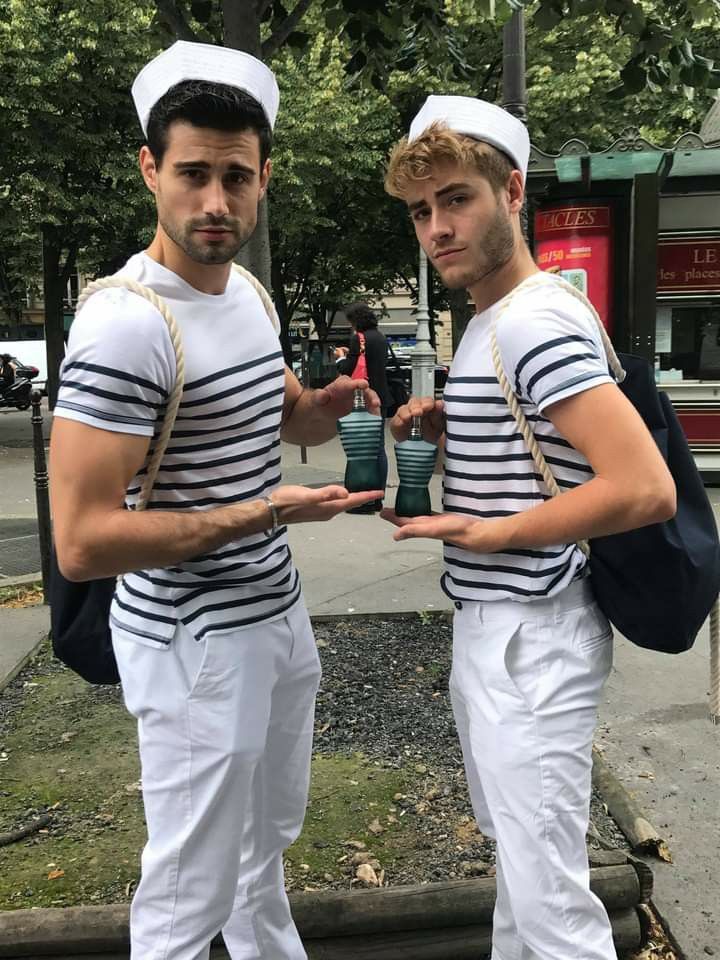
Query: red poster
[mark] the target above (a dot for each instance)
(688, 265)
(576, 240)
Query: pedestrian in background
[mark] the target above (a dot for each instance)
(367, 343)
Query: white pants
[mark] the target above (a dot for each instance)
(525, 684)
(225, 733)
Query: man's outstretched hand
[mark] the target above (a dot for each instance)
(297, 504)
(448, 527)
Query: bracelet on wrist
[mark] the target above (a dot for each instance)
(273, 514)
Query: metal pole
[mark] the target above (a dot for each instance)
(305, 380)
(41, 491)
(514, 90)
(423, 355)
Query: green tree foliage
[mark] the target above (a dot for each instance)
(352, 74)
(572, 87)
(69, 136)
(332, 230)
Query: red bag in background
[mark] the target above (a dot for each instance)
(361, 372)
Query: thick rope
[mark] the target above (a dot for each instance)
(715, 663)
(173, 403)
(514, 405)
(263, 294)
(171, 409)
(547, 475)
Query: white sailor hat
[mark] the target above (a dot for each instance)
(203, 61)
(479, 119)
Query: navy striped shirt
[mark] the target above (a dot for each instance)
(551, 350)
(224, 447)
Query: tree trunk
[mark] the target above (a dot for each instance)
(53, 295)
(461, 312)
(242, 32)
(281, 305)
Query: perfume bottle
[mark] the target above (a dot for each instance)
(416, 462)
(361, 434)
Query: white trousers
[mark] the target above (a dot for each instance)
(225, 731)
(525, 685)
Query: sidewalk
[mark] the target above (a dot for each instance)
(21, 631)
(654, 729)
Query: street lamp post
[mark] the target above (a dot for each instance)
(423, 355)
(514, 89)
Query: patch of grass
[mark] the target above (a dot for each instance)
(351, 803)
(24, 595)
(70, 749)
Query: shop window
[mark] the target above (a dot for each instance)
(688, 342)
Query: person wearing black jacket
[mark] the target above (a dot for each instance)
(363, 320)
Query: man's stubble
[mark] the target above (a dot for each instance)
(207, 253)
(497, 248)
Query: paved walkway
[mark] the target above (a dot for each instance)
(653, 721)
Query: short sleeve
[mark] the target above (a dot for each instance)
(119, 368)
(551, 348)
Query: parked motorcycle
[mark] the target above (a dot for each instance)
(17, 394)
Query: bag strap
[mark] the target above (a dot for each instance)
(262, 293)
(392, 354)
(173, 404)
(511, 397)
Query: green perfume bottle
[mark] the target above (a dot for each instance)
(361, 434)
(415, 462)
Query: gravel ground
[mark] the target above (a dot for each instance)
(385, 693)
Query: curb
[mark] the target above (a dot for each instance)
(426, 922)
(8, 678)
(420, 615)
(21, 581)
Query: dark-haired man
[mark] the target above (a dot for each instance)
(531, 648)
(213, 642)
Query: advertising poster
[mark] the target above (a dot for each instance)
(575, 240)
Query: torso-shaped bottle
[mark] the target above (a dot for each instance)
(415, 461)
(361, 434)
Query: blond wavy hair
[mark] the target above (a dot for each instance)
(438, 144)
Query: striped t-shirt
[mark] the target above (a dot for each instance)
(551, 349)
(224, 448)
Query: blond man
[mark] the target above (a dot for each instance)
(531, 649)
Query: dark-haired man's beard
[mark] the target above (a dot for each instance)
(490, 253)
(220, 248)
